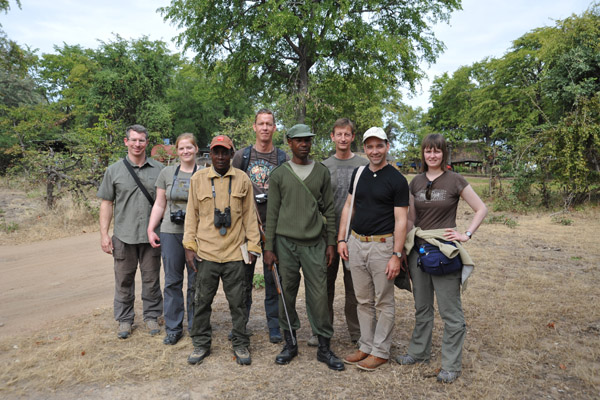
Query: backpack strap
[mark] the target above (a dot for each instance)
(358, 173)
(138, 182)
(246, 158)
(281, 156)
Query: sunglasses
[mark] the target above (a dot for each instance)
(428, 191)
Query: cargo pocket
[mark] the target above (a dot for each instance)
(118, 249)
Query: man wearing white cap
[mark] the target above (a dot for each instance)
(374, 248)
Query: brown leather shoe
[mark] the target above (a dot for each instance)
(371, 363)
(355, 357)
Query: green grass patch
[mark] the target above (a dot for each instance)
(258, 281)
(9, 227)
(503, 220)
(561, 220)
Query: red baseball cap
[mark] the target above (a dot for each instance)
(221, 140)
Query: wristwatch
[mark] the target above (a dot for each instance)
(397, 253)
(469, 234)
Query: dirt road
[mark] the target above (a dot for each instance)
(65, 277)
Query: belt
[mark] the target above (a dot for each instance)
(373, 238)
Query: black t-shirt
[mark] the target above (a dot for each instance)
(376, 196)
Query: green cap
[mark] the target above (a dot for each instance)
(299, 130)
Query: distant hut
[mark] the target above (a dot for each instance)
(469, 154)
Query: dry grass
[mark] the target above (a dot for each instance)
(22, 207)
(533, 332)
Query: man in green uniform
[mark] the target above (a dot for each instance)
(299, 197)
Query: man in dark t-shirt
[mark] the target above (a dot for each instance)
(257, 162)
(374, 248)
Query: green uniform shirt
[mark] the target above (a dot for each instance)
(292, 212)
(131, 208)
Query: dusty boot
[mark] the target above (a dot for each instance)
(325, 355)
(290, 350)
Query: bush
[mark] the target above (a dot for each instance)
(258, 281)
(502, 219)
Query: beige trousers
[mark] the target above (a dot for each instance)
(374, 294)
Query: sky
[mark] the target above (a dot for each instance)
(483, 28)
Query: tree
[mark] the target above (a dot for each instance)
(202, 98)
(282, 44)
(17, 86)
(536, 107)
(5, 5)
(132, 82)
(574, 147)
(122, 80)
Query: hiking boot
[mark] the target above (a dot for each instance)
(275, 335)
(290, 350)
(124, 330)
(371, 363)
(313, 341)
(448, 376)
(242, 356)
(325, 355)
(407, 359)
(172, 338)
(355, 357)
(153, 327)
(198, 355)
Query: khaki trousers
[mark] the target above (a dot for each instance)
(374, 293)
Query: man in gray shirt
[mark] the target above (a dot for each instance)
(129, 244)
(341, 165)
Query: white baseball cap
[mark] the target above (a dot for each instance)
(375, 132)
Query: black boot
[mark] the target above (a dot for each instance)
(290, 350)
(325, 355)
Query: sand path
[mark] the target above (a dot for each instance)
(54, 279)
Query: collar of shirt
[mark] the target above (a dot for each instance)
(214, 174)
(135, 165)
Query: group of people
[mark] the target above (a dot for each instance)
(302, 216)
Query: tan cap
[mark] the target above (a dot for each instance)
(375, 132)
(221, 140)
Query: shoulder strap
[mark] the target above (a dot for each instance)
(281, 156)
(246, 158)
(302, 182)
(175, 179)
(137, 181)
(358, 172)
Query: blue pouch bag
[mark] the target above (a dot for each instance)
(434, 262)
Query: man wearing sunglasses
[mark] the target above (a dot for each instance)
(373, 248)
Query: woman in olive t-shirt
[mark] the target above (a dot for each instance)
(172, 188)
